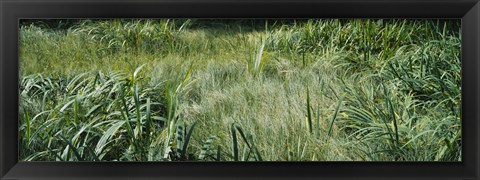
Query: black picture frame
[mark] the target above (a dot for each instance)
(13, 10)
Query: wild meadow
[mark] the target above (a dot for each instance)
(240, 90)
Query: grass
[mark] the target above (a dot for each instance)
(240, 90)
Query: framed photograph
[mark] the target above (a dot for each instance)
(226, 89)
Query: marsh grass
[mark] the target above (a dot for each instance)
(240, 90)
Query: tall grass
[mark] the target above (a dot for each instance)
(240, 90)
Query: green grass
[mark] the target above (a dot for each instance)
(240, 90)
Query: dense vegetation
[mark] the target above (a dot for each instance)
(240, 90)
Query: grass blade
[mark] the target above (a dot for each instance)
(309, 113)
(235, 143)
(187, 140)
(107, 135)
(330, 128)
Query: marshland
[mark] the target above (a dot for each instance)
(240, 90)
